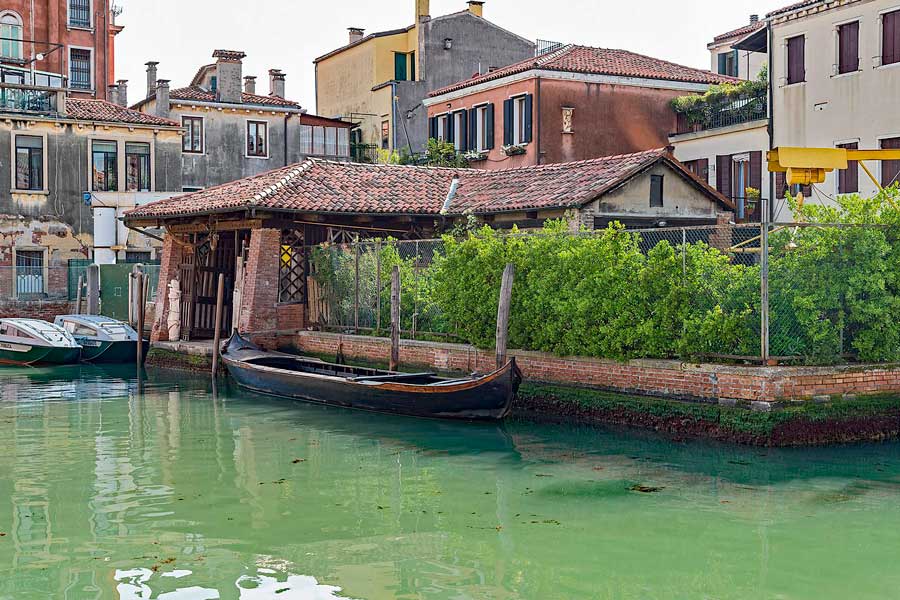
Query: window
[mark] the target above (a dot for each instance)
(80, 69)
(385, 135)
(796, 59)
(459, 130)
(517, 118)
(343, 142)
(890, 38)
(740, 177)
(191, 188)
(484, 128)
(306, 134)
(848, 47)
(11, 34)
(441, 128)
(404, 66)
(192, 142)
(29, 272)
(137, 257)
(318, 141)
(137, 167)
(330, 141)
(257, 139)
(294, 268)
(890, 169)
(80, 13)
(105, 166)
(29, 162)
(656, 191)
(848, 179)
(699, 167)
(728, 63)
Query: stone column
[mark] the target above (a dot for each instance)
(170, 267)
(260, 295)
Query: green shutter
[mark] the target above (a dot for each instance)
(399, 66)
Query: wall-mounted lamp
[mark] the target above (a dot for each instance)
(448, 43)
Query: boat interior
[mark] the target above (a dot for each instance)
(363, 375)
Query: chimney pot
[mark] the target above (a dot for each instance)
(123, 92)
(250, 84)
(276, 83)
(476, 7)
(356, 34)
(162, 98)
(754, 19)
(151, 78)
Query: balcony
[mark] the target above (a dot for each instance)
(704, 115)
(28, 99)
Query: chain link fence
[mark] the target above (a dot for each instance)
(818, 295)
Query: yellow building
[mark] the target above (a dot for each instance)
(379, 80)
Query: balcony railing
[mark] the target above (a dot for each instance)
(26, 99)
(20, 76)
(363, 153)
(713, 116)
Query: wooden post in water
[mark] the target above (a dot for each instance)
(217, 337)
(395, 318)
(503, 313)
(78, 295)
(139, 283)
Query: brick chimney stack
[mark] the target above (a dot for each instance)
(162, 98)
(476, 7)
(229, 75)
(123, 92)
(250, 84)
(276, 83)
(356, 34)
(151, 78)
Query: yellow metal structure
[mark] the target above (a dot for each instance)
(806, 166)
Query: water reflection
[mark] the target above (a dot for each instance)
(112, 492)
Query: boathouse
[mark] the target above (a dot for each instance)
(256, 231)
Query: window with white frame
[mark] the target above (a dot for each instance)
(29, 163)
(137, 167)
(519, 116)
(104, 166)
(81, 68)
(257, 139)
(11, 36)
(330, 141)
(459, 129)
(192, 142)
(481, 128)
(442, 127)
(318, 147)
(306, 132)
(343, 142)
(80, 13)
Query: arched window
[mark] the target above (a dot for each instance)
(11, 36)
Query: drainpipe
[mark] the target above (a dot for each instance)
(287, 116)
(394, 113)
(537, 120)
(769, 213)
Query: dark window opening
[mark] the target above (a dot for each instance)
(796, 56)
(80, 69)
(385, 134)
(890, 169)
(848, 179)
(192, 141)
(257, 139)
(137, 257)
(105, 166)
(29, 162)
(728, 63)
(80, 13)
(29, 272)
(656, 191)
(890, 38)
(400, 70)
(137, 167)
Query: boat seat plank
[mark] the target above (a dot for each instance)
(392, 377)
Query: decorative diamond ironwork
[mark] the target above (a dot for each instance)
(294, 268)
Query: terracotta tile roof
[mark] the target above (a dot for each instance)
(792, 7)
(321, 186)
(107, 112)
(198, 94)
(740, 31)
(597, 61)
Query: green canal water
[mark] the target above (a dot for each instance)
(174, 491)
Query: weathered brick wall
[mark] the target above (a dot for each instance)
(290, 316)
(651, 377)
(168, 270)
(35, 309)
(260, 294)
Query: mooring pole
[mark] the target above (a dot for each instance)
(139, 282)
(395, 318)
(506, 285)
(78, 295)
(217, 337)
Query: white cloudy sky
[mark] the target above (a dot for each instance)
(288, 34)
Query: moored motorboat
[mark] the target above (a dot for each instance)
(487, 397)
(102, 339)
(32, 342)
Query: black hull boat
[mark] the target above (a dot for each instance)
(482, 398)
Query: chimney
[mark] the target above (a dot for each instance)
(229, 71)
(356, 34)
(250, 84)
(112, 93)
(123, 92)
(162, 98)
(754, 19)
(476, 7)
(276, 83)
(151, 78)
(423, 11)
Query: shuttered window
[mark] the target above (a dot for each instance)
(400, 66)
(848, 179)
(890, 41)
(723, 174)
(796, 58)
(656, 191)
(848, 47)
(890, 169)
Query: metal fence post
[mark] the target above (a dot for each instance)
(684, 252)
(415, 319)
(764, 291)
(378, 285)
(356, 288)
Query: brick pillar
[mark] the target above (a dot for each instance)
(260, 295)
(172, 257)
(721, 238)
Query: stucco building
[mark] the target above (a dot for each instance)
(231, 131)
(267, 223)
(727, 57)
(59, 44)
(379, 80)
(572, 103)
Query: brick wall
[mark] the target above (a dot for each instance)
(260, 294)
(651, 377)
(169, 270)
(46, 310)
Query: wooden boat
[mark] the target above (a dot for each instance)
(33, 342)
(102, 339)
(486, 397)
